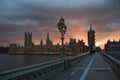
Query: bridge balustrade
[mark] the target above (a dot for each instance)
(77, 58)
(114, 64)
(41, 71)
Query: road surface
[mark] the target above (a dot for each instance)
(92, 67)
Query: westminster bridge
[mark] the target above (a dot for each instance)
(95, 66)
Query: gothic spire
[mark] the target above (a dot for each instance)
(41, 42)
(48, 37)
(90, 27)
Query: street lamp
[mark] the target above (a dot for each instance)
(62, 29)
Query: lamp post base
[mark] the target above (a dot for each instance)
(62, 52)
(62, 49)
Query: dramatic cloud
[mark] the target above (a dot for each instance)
(41, 17)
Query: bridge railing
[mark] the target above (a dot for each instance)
(78, 58)
(70, 61)
(41, 71)
(34, 72)
(114, 64)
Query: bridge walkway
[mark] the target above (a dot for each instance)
(92, 67)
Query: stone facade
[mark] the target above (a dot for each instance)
(112, 45)
(72, 48)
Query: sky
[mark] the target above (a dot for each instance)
(41, 17)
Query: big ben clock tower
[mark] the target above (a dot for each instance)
(91, 39)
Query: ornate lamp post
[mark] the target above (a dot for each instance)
(62, 29)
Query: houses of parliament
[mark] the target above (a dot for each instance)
(72, 48)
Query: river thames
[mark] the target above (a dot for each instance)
(8, 62)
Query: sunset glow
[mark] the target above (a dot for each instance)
(41, 17)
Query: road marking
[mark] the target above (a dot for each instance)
(87, 69)
(92, 68)
(72, 73)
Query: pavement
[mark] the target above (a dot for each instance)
(92, 67)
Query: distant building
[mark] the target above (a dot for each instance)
(77, 47)
(112, 45)
(72, 48)
(28, 39)
(48, 41)
(41, 42)
(4, 50)
(98, 49)
(91, 39)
